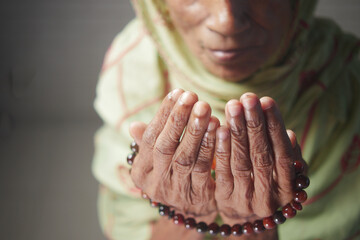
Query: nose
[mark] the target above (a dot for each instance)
(229, 17)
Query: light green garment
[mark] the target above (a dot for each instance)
(317, 86)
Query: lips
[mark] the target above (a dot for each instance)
(228, 55)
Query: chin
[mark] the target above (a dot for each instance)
(232, 74)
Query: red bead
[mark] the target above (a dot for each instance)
(214, 228)
(295, 205)
(236, 230)
(279, 217)
(134, 147)
(248, 228)
(269, 223)
(131, 158)
(258, 226)
(300, 196)
(153, 204)
(178, 219)
(288, 211)
(299, 167)
(302, 182)
(190, 223)
(225, 230)
(201, 227)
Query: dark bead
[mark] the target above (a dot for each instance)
(214, 228)
(248, 228)
(164, 210)
(201, 227)
(288, 211)
(279, 217)
(236, 230)
(178, 219)
(225, 230)
(300, 196)
(258, 226)
(171, 214)
(299, 167)
(190, 223)
(296, 205)
(131, 158)
(269, 223)
(302, 182)
(153, 204)
(134, 147)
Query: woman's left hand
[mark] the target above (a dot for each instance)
(254, 160)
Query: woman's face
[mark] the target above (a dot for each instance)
(231, 38)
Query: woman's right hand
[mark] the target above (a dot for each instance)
(176, 151)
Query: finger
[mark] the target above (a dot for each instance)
(260, 154)
(137, 130)
(143, 163)
(224, 178)
(240, 162)
(187, 152)
(201, 181)
(297, 150)
(158, 122)
(169, 138)
(292, 138)
(281, 146)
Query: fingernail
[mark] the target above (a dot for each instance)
(211, 126)
(234, 108)
(266, 103)
(223, 134)
(172, 93)
(200, 109)
(249, 102)
(186, 98)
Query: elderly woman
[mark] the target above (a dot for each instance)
(208, 89)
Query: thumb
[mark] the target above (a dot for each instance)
(137, 130)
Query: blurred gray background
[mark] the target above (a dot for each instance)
(50, 56)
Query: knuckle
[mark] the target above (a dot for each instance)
(254, 126)
(222, 154)
(241, 172)
(274, 126)
(163, 150)
(285, 163)
(166, 145)
(183, 164)
(202, 166)
(262, 159)
(237, 131)
(195, 131)
(179, 120)
(240, 150)
(207, 143)
(149, 137)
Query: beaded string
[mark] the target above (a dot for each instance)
(279, 217)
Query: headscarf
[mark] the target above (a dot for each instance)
(315, 83)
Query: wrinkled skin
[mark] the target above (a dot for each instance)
(253, 151)
(254, 158)
(232, 38)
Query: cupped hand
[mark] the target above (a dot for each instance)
(176, 151)
(254, 160)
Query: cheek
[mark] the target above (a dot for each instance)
(186, 15)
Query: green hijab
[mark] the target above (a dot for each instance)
(316, 84)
